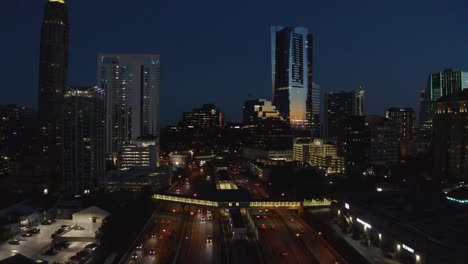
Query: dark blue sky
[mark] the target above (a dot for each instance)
(219, 51)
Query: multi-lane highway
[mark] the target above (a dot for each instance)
(201, 237)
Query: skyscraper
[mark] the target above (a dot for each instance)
(84, 131)
(292, 86)
(450, 137)
(53, 65)
(132, 86)
(405, 122)
(450, 81)
(338, 107)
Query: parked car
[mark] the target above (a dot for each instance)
(92, 246)
(51, 252)
(76, 258)
(83, 253)
(14, 242)
(35, 230)
(62, 245)
(77, 227)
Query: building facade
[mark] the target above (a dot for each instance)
(316, 153)
(450, 137)
(141, 153)
(84, 142)
(447, 82)
(207, 117)
(338, 107)
(132, 85)
(371, 140)
(53, 66)
(259, 111)
(292, 86)
(405, 122)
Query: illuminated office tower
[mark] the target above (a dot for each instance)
(132, 86)
(292, 86)
(53, 66)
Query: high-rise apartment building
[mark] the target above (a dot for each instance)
(450, 137)
(53, 65)
(84, 142)
(132, 86)
(405, 123)
(292, 86)
(338, 107)
(450, 81)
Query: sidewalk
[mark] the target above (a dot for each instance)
(371, 253)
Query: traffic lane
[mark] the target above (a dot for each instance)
(196, 249)
(310, 237)
(272, 243)
(295, 246)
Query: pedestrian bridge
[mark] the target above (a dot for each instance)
(244, 204)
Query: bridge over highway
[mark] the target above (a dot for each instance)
(244, 204)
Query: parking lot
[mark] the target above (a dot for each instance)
(65, 254)
(32, 247)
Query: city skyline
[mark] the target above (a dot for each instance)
(339, 45)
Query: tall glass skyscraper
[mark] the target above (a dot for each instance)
(132, 85)
(292, 86)
(53, 66)
(448, 82)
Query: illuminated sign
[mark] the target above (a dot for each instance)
(364, 223)
(346, 205)
(408, 248)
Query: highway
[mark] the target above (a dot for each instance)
(161, 237)
(195, 247)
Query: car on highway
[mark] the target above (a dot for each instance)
(210, 218)
(301, 230)
(209, 239)
(284, 253)
(273, 228)
(291, 219)
(203, 219)
(14, 242)
(152, 252)
(135, 256)
(334, 261)
(139, 247)
(153, 235)
(263, 226)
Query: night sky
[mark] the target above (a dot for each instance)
(218, 51)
